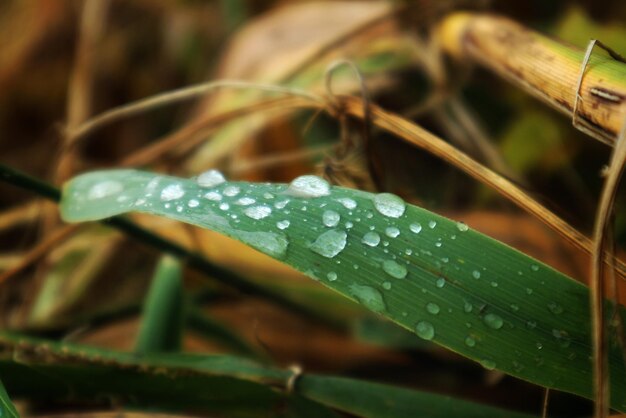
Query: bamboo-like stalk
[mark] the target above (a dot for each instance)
(544, 67)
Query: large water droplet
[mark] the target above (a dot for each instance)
(371, 238)
(271, 243)
(389, 205)
(476, 274)
(245, 201)
(330, 218)
(210, 178)
(432, 224)
(392, 231)
(394, 269)
(193, 203)
(104, 189)
(214, 196)
(347, 203)
(415, 228)
(172, 192)
(493, 321)
(284, 224)
(425, 330)
(232, 191)
(440, 282)
(461, 226)
(432, 308)
(308, 186)
(258, 212)
(330, 243)
(332, 276)
(368, 297)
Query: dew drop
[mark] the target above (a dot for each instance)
(281, 204)
(258, 212)
(332, 276)
(104, 189)
(425, 330)
(193, 203)
(231, 191)
(224, 206)
(467, 307)
(493, 321)
(432, 224)
(539, 346)
(330, 243)
(415, 228)
(349, 225)
(432, 308)
(461, 226)
(392, 231)
(555, 308)
(284, 224)
(214, 196)
(210, 178)
(271, 243)
(534, 267)
(476, 274)
(470, 341)
(529, 291)
(368, 297)
(245, 201)
(172, 192)
(394, 269)
(308, 186)
(387, 285)
(531, 324)
(441, 282)
(371, 238)
(514, 307)
(268, 195)
(389, 205)
(347, 203)
(330, 218)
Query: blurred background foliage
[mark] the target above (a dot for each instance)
(140, 48)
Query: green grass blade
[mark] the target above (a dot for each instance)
(376, 400)
(225, 384)
(7, 409)
(161, 327)
(449, 284)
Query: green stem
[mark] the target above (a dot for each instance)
(192, 259)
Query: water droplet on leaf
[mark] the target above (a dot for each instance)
(258, 212)
(308, 186)
(493, 321)
(330, 218)
(330, 243)
(394, 269)
(368, 297)
(172, 192)
(210, 178)
(389, 205)
(425, 330)
(371, 238)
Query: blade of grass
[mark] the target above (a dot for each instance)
(376, 400)
(445, 282)
(161, 328)
(231, 385)
(6, 406)
(193, 259)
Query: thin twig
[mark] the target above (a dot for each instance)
(175, 96)
(38, 251)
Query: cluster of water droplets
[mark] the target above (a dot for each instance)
(337, 216)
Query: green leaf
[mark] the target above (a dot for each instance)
(232, 386)
(7, 409)
(376, 400)
(161, 327)
(436, 277)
